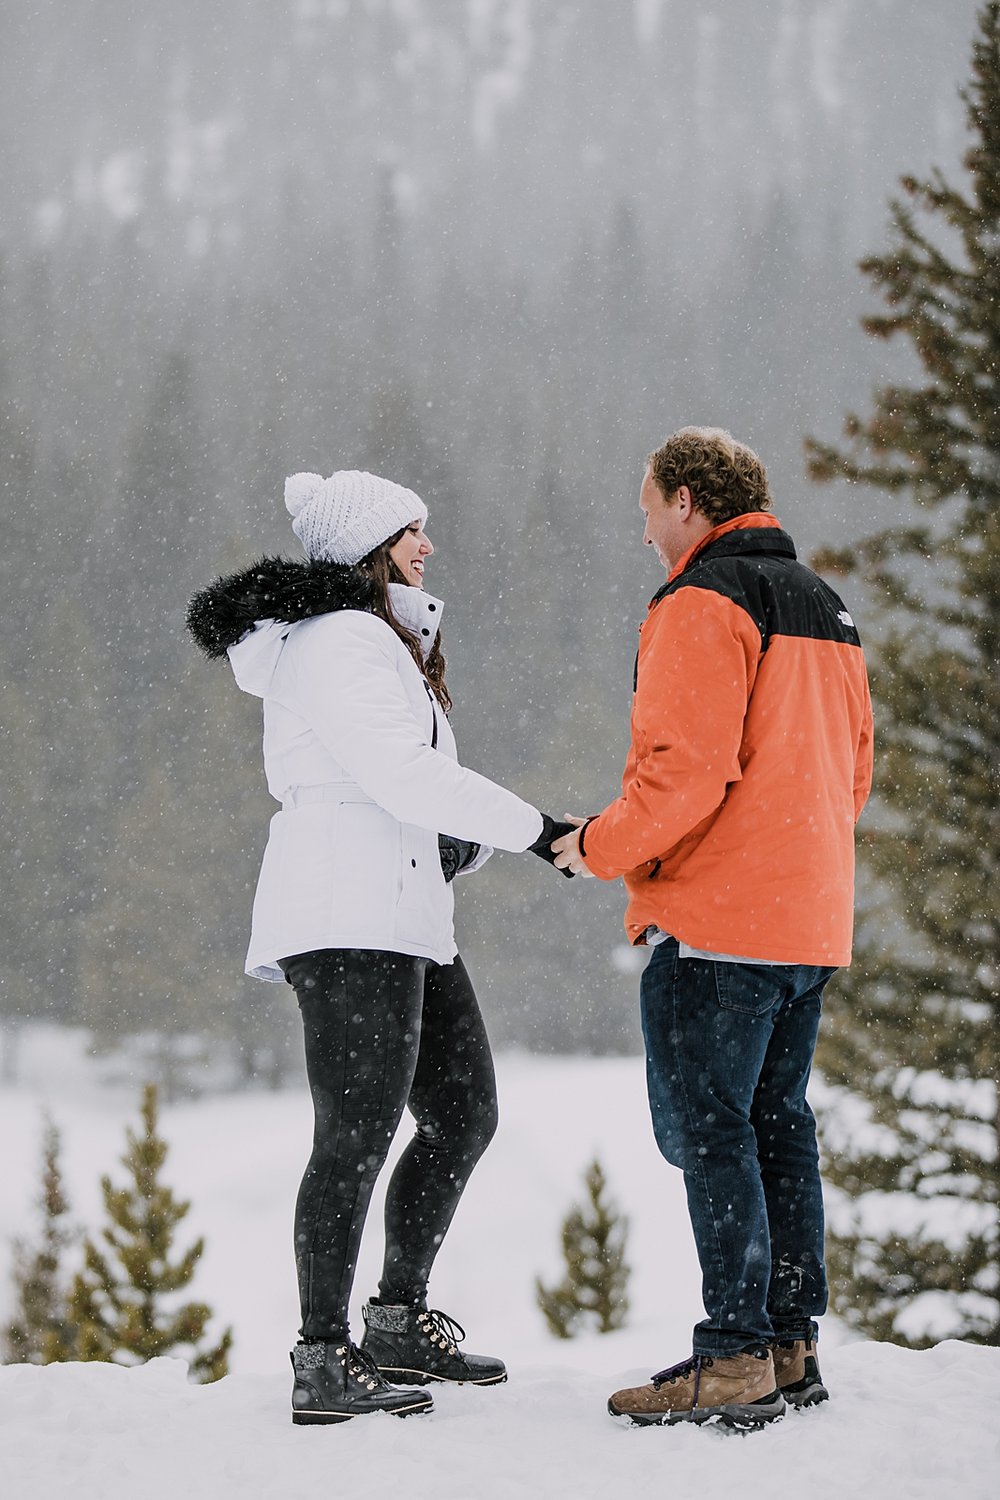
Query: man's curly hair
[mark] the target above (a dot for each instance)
(726, 478)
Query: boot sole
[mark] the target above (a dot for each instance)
(812, 1396)
(397, 1376)
(737, 1417)
(328, 1418)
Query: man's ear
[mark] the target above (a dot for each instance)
(685, 502)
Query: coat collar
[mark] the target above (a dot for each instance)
(290, 590)
(418, 611)
(756, 531)
(754, 520)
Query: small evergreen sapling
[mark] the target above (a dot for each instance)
(121, 1303)
(38, 1334)
(593, 1292)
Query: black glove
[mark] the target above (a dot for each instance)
(455, 854)
(551, 830)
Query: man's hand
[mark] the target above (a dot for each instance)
(567, 850)
(546, 841)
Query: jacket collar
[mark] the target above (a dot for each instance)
(753, 521)
(290, 590)
(417, 611)
(756, 531)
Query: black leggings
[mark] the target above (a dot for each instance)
(384, 1031)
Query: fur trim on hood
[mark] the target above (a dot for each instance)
(274, 588)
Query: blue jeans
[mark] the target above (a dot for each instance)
(728, 1053)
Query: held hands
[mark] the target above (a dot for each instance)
(543, 844)
(558, 844)
(567, 850)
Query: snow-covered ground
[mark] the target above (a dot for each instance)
(914, 1424)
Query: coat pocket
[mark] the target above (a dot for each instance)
(425, 903)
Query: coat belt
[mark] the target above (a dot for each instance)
(327, 791)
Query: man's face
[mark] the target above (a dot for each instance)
(665, 529)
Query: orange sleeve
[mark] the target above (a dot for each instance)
(698, 656)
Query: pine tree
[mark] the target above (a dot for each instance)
(38, 1334)
(915, 1030)
(593, 1291)
(121, 1305)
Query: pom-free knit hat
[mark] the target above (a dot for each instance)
(345, 517)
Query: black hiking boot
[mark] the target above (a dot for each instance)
(334, 1382)
(417, 1346)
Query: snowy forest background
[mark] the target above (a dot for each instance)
(496, 249)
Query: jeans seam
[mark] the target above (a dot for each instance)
(690, 1119)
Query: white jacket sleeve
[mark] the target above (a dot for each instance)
(348, 686)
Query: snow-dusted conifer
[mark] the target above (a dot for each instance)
(593, 1291)
(122, 1304)
(38, 1333)
(914, 1044)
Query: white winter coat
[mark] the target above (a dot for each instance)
(352, 857)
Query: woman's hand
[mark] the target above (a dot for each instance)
(544, 845)
(566, 849)
(455, 854)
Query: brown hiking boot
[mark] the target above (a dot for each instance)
(736, 1391)
(797, 1372)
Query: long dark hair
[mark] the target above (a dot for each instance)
(382, 570)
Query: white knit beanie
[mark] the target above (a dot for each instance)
(345, 517)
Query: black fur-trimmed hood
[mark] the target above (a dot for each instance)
(274, 588)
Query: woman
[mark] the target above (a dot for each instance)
(354, 910)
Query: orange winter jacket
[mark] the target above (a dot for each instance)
(750, 759)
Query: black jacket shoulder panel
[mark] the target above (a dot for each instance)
(273, 588)
(762, 575)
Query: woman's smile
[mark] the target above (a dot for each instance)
(409, 552)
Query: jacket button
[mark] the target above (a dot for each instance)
(425, 632)
(432, 607)
(413, 863)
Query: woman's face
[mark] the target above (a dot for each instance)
(409, 552)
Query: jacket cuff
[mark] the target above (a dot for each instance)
(485, 851)
(592, 858)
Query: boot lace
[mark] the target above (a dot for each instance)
(443, 1332)
(687, 1367)
(359, 1366)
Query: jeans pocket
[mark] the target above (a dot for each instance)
(751, 989)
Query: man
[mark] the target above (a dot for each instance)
(750, 760)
